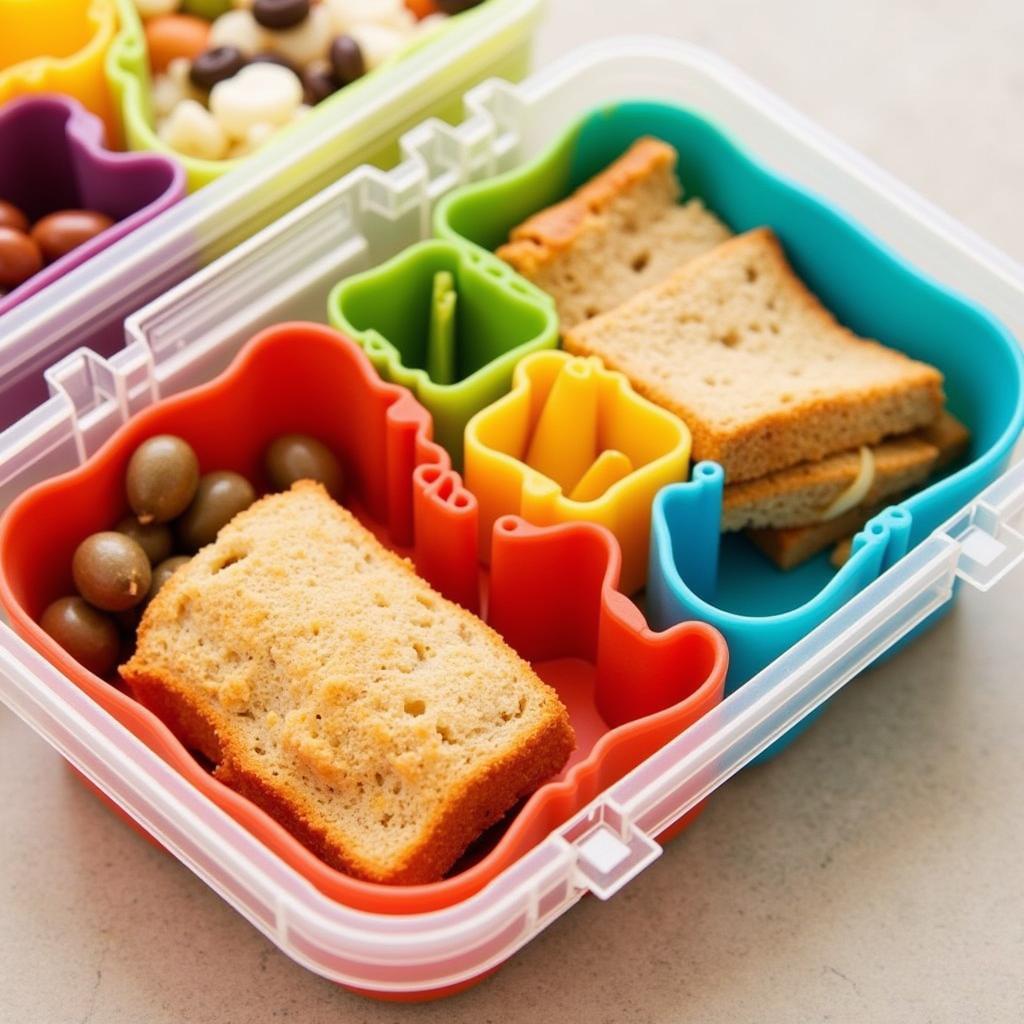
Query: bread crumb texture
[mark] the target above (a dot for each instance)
(763, 375)
(620, 232)
(381, 723)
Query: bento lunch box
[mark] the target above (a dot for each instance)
(87, 307)
(186, 338)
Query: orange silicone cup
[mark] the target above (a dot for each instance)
(552, 589)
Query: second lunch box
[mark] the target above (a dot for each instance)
(87, 306)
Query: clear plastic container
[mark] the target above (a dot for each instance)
(190, 334)
(88, 306)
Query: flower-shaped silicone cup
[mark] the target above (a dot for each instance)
(573, 442)
(60, 46)
(553, 591)
(498, 319)
(53, 158)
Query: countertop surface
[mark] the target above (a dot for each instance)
(872, 873)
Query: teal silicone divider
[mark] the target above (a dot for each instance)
(760, 609)
(498, 319)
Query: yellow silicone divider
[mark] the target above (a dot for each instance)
(570, 425)
(60, 46)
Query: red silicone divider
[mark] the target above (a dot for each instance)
(552, 590)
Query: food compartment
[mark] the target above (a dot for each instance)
(150, 70)
(552, 591)
(60, 46)
(54, 159)
(447, 322)
(694, 572)
(728, 582)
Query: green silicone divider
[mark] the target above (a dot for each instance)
(498, 319)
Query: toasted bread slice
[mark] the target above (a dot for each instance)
(762, 374)
(799, 496)
(791, 547)
(385, 726)
(619, 233)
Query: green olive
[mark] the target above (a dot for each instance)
(89, 636)
(219, 498)
(111, 571)
(301, 457)
(163, 572)
(161, 479)
(155, 539)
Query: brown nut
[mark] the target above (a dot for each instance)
(155, 539)
(58, 233)
(219, 498)
(111, 571)
(162, 477)
(20, 258)
(301, 457)
(89, 636)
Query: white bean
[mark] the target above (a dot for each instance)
(257, 135)
(430, 23)
(258, 93)
(349, 13)
(239, 29)
(378, 42)
(192, 130)
(167, 94)
(306, 42)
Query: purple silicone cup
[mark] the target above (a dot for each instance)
(52, 158)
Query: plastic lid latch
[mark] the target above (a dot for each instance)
(610, 849)
(989, 547)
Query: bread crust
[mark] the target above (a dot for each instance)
(620, 232)
(791, 546)
(466, 813)
(555, 229)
